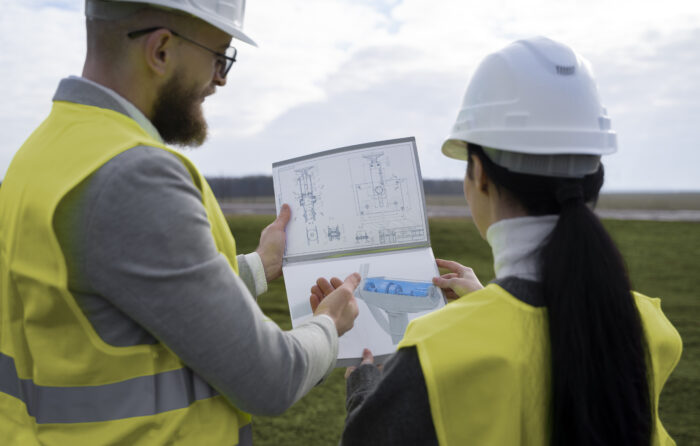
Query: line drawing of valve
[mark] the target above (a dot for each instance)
(397, 297)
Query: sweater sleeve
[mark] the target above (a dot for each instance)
(389, 408)
(251, 271)
(149, 251)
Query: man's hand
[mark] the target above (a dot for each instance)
(459, 281)
(271, 246)
(336, 299)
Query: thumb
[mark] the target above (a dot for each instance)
(284, 216)
(352, 281)
(367, 357)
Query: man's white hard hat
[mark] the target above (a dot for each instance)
(535, 108)
(226, 15)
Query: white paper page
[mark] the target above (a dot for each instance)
(411, 265)
(356, 198)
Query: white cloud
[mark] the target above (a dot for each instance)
(340, 72)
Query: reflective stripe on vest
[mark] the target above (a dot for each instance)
(158, 393)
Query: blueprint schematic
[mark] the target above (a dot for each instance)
(360, 209)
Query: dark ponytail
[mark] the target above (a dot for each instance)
(600, 383)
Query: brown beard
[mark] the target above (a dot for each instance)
(177, 114)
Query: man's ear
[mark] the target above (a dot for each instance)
(481, 180)
(158, 51)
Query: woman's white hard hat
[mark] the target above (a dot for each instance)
(226, 15)
(535, 108)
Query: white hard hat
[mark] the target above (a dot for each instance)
(226, 15)
(534, 107)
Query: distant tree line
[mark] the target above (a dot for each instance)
(443, 187)
(261, 186)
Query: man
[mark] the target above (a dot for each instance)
(122, 318)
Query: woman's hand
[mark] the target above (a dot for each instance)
(367, 358)
(459, 281)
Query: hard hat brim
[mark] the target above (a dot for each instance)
(539, 141)
(232, 28)
(455, 148)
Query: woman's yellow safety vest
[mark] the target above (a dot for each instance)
(485, 358)
(59, 382)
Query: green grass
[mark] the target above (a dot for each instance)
(662, 258)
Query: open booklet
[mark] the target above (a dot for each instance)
(360, 209)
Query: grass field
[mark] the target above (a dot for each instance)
(618, 201)
(663, 260)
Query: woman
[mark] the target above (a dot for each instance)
(557, 349)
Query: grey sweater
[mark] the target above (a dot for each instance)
(144, 268)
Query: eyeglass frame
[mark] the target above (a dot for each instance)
(225, 61)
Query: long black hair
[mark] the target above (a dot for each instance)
(600, 383)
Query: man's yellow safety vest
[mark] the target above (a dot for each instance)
(485, 358)
(59, 382)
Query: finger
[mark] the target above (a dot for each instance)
(466, 272)
(448, 283)
(367, 357)
(449, 264)
(449, 275)
(314, 301)
(352, 281)
(336, 282)
(284, 216)
(441, 282)
(349, 371)
(325, 286)
(317, 291)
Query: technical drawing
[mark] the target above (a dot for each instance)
(308, 199)
(362, 237)
(311, 234)
(360, 198)
(333, 233)
(306, 196)
(396, 297)
(377, 194)
(401, 235)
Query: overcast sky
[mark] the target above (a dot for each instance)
(332, 73)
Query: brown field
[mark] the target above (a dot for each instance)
(617, 201)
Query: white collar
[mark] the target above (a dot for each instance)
(515, 242)
(131, 110)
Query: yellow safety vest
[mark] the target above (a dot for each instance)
(485, 358)
(60, 384)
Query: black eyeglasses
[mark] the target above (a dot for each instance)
(224, 62)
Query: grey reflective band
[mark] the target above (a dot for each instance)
(145, 395)
(563, 165)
